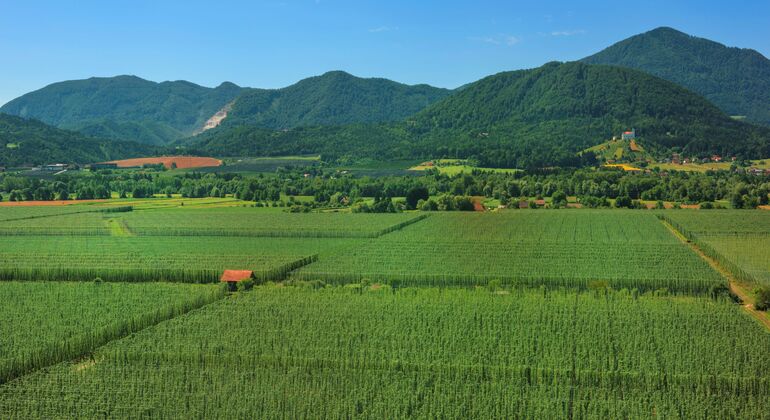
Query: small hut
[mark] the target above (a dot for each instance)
(233, 277)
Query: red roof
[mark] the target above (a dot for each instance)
(236, 275)
(627, 132)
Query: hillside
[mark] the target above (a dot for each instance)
(125, 107)
(736, 80)
(24, 141)
(334, 98)
(528, 118)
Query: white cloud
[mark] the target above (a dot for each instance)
(501, 39)
(383, 29)
(568, 33)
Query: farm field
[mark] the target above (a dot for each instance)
(248, 222)
(65, 320)
(740, 239)
(562, 248)
(154, 258)
(521, 313)
(180, 162)
(442, 353)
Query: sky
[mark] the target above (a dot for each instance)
(271, 44)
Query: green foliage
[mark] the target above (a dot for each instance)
(553, 248)
(125, 107)
(762, 299)
(736, 80)
(79, 317)
(38, 143)
(334, 98)
(420, 353)
(528, 118)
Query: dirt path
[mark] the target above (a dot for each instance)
(118, 227)
(741, 290)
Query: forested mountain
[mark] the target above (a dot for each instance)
(25, 141)
(736, 80)
(539, 117)
(334, 98)
(125, 107)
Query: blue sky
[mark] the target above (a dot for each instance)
(275, 43)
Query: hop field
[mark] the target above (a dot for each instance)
(739, 240)
(441, 353)
(260, 223)
(136, 258)
(562, 249)
(45, 323)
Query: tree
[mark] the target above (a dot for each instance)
(464, 203)
(559, 199)
(762, 302)
(414, 195)
(623, 201)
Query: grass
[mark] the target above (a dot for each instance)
(457, 166)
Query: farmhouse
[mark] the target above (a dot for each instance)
(233, 277)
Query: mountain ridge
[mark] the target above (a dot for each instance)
(525, 118)
(735, 79)
(28, 141)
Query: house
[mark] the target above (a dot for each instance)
(676, 159)
(629, 135)
(716, 158)
(233, 277)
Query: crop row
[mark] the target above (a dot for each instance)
(238, 222)
(439, 353)
(46, 323)
(584, 226)
(421, 263)
(722, 222)
(746, 256)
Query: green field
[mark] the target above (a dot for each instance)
(511, 314)
(45, 323)
(740, 239)
(569, 248)
(257, 223)
(342, 353)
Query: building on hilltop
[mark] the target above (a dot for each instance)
(629, 135)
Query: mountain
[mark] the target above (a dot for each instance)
(125, 107)
(736, 80)
(334, 98)
(25, 141)
(527, 118)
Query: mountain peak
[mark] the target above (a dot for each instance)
(736, 80)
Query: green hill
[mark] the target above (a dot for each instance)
(528, 118)
(125, 107)
(736, 80)
(334, 98)
(24, 141)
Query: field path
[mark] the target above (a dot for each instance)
(118, 227)
(741, 290)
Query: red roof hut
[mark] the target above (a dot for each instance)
(232, 277)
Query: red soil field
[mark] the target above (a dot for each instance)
(45, 203)
(182, 162)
